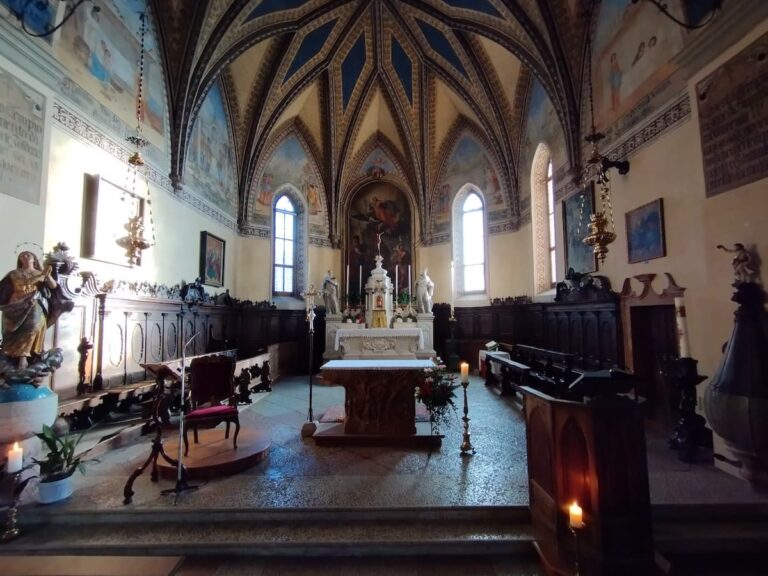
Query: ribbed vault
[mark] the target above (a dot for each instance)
(354, 76)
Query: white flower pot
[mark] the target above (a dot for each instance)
(50, 492)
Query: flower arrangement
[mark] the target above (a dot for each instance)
(437, 392)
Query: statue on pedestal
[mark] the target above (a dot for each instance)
(425, 288)
(331, 293)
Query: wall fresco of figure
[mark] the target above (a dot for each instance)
(101, 52)
(210, 162)
(379, 208)
(632, 49)
(290, 164)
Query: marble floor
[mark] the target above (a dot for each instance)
(299, 474)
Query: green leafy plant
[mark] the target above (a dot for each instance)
(437, 392)
(60, 462)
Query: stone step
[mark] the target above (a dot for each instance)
(249, 533)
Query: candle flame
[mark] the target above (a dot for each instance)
(15, 446)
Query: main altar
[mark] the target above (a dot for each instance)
(390, 331)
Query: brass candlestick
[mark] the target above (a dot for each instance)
(575, 531)
(11, 530)
(466, 445)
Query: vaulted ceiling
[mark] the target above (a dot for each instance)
(400, 74)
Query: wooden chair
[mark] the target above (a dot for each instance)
(211, 382)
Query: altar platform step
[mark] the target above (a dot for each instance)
(279, 533)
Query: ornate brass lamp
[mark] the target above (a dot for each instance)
(601, 228)
(135, 242)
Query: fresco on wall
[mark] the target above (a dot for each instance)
(379, 208)
(631, 55)
(377, 165)
(543, 124)
(21, 139)
(210, 164)
(38, 16)
(290, 164)
(101, 51)
(467, 164)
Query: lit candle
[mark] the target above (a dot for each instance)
(575, 516)
(360, 284)
(682, 328)
(346, 292)
(464, 372)
(14, 459)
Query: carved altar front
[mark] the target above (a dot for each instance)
(379, 394)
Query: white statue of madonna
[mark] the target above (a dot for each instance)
(425, 288)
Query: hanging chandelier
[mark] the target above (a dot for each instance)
(134, 242)
(602, 231)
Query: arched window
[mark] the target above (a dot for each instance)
(469, 247)
(285, 247)
(551, 225)
(543, 221)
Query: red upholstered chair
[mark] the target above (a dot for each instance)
(211, 381)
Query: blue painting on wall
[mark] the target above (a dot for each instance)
(645, 232)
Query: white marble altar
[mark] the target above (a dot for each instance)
(382, 336)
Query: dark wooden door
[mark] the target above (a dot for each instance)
(653, 342)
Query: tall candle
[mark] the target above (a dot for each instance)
(682, 327)
(452, 288)
(410, 294)
(575, 516)
(14, 459)
(360, 284)
(464, 372)
(396, 267)
(346, 292)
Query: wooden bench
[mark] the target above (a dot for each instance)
(512, 374)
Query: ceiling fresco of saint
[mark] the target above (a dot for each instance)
(407, 78)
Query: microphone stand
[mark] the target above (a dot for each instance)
(181, 481)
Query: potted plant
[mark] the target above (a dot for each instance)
(57, 467)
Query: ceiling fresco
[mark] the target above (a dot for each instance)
(377, 88)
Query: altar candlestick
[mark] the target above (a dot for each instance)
(346, 292)
(14, 458)
(575, 516)
(464, 372)
(360, 284)
(682, 328)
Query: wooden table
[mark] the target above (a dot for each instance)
(379, 394)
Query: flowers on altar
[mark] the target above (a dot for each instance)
(437, 392)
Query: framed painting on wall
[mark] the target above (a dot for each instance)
(645, 232)
(107, 208)
(212, 259)
(576, 211)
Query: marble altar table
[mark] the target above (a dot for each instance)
(379, 394)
